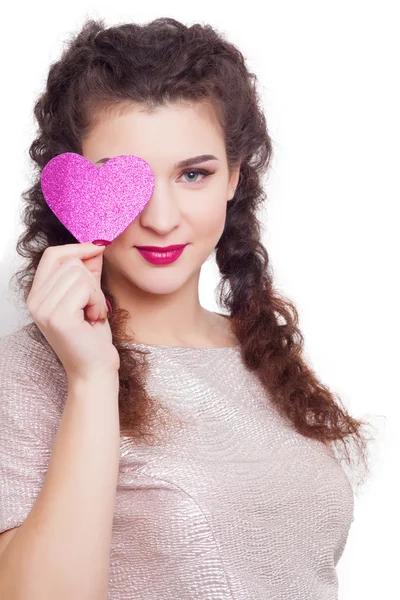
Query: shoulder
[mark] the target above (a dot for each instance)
(27, 361)
(28, 338)
(28, 343)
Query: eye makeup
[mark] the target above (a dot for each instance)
(204, 172)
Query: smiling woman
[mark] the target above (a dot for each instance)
(219, 477)
(183, 210)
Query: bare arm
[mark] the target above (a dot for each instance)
(62, 549)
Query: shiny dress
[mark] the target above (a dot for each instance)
(234, 505)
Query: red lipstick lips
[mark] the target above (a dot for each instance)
(161, 255)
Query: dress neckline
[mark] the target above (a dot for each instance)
(188, 348)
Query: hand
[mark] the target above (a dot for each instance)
(65, 297)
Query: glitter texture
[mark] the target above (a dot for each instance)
(97, 203)
(234, 505)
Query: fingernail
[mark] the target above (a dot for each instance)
(109, 307)
(101, 242)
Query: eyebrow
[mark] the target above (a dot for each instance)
(183, 163)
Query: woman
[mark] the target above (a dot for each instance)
(170, 451)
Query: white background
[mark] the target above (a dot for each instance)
(329, 77)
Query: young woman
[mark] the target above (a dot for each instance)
(167, 451)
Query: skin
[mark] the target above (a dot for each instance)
(163, 301)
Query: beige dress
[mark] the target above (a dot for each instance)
(235, 506)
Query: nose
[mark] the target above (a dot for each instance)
(162, 212)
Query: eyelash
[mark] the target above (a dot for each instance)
(204, 172)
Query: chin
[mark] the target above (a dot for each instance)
(157, 283)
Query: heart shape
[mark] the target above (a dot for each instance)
(97, 203)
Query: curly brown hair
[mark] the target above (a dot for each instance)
(163, 61)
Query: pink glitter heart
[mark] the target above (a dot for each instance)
(97, 203)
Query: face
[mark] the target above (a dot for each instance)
(187, 206)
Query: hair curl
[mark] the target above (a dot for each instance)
(153, 64)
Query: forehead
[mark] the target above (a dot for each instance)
(174, 131)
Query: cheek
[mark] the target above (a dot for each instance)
(207, 216)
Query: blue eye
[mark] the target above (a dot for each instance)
(204, 172)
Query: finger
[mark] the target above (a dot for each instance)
(63, 293)
(53, 257)
(94, 265)
(52, 290)
(65, 313)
